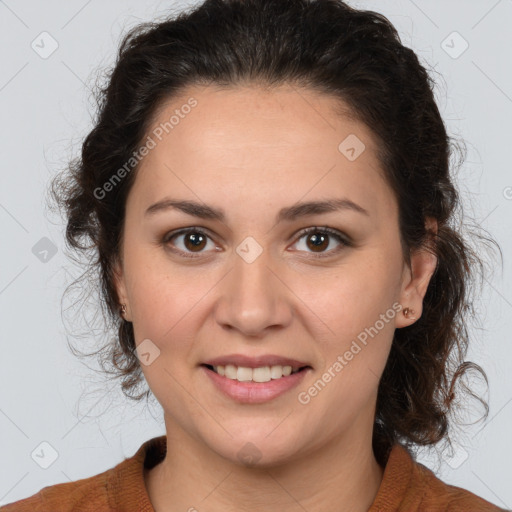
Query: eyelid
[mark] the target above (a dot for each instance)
(323, 229)
(191, 229)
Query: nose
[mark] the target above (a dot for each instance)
(253, 297)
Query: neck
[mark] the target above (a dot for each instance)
(342, 475)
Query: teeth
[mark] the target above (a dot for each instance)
(261, 374)
(243, 374)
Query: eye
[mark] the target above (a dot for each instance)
(194, 241)
(319, 239)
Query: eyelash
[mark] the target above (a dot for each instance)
(344, 241)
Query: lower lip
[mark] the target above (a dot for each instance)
(255, 392)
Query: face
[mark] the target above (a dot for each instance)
(251, 279)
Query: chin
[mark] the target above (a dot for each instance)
(257, 449)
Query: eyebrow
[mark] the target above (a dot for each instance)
(289, 213)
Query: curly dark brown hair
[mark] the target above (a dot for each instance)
(329, 47)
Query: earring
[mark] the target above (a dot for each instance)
(123, 309)
(406, 312)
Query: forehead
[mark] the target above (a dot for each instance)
(252, 117)
(284, 142)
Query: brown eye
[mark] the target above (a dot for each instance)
(318, 240)
(194, 240)
(187, 241)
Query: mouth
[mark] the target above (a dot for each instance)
(259, 374)
(255, 380)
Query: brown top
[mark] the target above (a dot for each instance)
(407, 486)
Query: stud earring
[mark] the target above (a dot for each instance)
(406, 312)
(123, 309)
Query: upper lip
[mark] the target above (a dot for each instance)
(255, 362)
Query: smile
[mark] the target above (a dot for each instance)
(260, 374)
(254, 385)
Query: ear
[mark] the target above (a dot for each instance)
(415, 280)
(120, 286)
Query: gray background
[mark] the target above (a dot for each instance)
(47, 395)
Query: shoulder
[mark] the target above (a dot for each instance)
(119, 488)
(86, 495)
(409, 486)
(438, 495)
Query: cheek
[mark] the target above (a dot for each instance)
(351, 297)
(156, 296)
(160, 305)
(165, 312)
(354, 358)
(354, 309)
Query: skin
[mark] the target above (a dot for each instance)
(252, 151)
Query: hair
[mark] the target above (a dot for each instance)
(352, 55)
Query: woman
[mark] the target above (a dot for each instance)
(268, 191)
